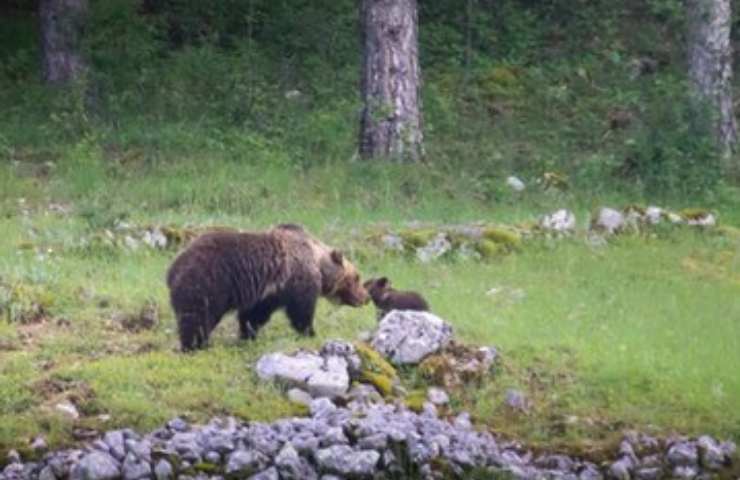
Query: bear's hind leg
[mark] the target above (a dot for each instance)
(251, 320)
(300, 311)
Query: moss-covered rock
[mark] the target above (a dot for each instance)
(417, 238)
(488, 249)
(415, 400)
(506, 237)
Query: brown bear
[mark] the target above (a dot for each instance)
(386, 298)
(257, 273)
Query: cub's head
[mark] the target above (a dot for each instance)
(378, 288)
(341, 282)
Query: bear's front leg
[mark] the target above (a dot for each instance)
(300, 311)
(251, 320)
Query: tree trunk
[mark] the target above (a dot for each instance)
(62, 22)
(710, 68)
(391, 124)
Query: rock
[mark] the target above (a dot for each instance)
(437, 396)
(729, 449)
(301, 397)
(38, 444)
(68, 409)
(115, 442)
(269, 474)
(163, 470)
(406, 337)
(620, 470)
(608, 221)
(345, 350)
(436, 247)
(650, 473)
(711, 454)
(135, 469)
(96, 466)
(291, 466)
(393, 242)
(515, 184)
(707, 219)
(213, 457)
(561, 221)
(47, 473)
(246, 462)
(683, 454)
(178, 424)
(317, 375)
(653, 215)
(14, 457)
(154, 238)
(333, 436)
(684, 472)
(342, 460)
(516, 400)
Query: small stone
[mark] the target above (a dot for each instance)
(246, 462)
(291, 466)
(68, 409)
(163, 470)
(213, 457)
(342, 460)
(433, 250)
(178, 424)
(39, 444)
(590, 472)
(301, 397)
(47, 473)
(712, 456)
(620, 470)
(334, 436)
(608, 220)
(269, 474)
(116, 444)
(14, 457)
(515, 184)
(681, 472)
(728, 448)
(516, 400)
(437, 396)
(379, 442)
(683, 454)
(393, 242)
(651, 473)
(96, 466)
(653, 215)
(135, 469)
(561, 221)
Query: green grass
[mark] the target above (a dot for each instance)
(643, 333)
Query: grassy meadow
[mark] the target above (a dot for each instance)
(642, 333)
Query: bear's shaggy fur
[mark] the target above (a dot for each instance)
(386, 298)
(256, 274)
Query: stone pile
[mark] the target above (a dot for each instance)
(361, 440)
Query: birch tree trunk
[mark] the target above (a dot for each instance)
(391, 123)
(710, 68)
(62, 22)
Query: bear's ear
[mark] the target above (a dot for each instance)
(337, 257)
(383, 282)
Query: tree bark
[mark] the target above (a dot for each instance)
(710, 68)
(391, 123)
(62, 22)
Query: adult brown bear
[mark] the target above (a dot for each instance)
(257, 273)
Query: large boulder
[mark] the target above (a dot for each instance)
(407, 337)
(317, 375)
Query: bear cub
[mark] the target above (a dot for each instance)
(387, 298)
(256, 274)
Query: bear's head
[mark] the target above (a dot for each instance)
(341, 281)
(378, 288)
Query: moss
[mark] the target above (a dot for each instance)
(383, 383)
(415, 400)
(207, 467)
(503, 236)
(299, 409)
(488, 248)
(555, 180)
(694, 213)
(417, 238)
(373, 361)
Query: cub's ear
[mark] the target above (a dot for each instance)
(337, 257)
(383, 282)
